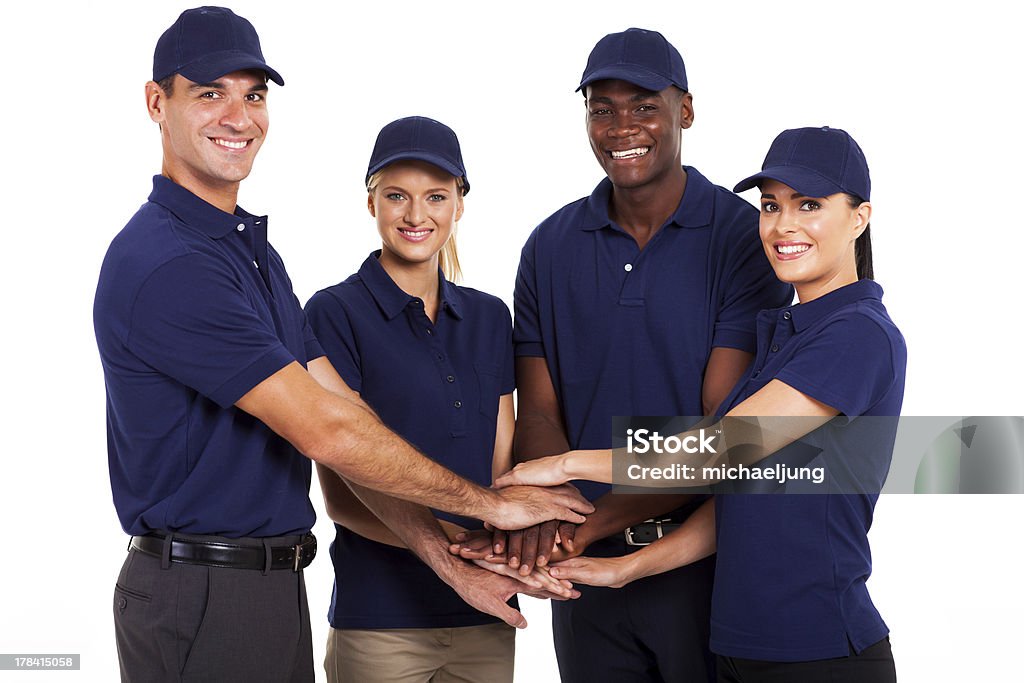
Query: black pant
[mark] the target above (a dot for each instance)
(188, 622)
(652, 630)
(874, 665)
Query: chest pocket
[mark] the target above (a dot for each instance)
(488, 379)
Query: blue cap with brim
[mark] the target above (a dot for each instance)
(638, 56)
(816, 162)
(422, 139)
(206, 43)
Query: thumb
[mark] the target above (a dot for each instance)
(510, 616)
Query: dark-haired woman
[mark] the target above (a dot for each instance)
(790, 598)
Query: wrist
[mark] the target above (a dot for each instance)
(491, 507)
(629, 568)
(570, 467)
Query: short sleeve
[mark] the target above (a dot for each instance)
(311, 343)
(192, 321)
(750, 287)
(526, 334)
(330, 323)
(847, 365)
(508, 372)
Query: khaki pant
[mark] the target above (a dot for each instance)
(421, 655)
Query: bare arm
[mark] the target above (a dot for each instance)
(540, 431)
(340, 432)
(725, 368)
(693, 541)
(793, 415)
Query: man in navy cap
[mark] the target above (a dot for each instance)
(215, 385)
(637, 300)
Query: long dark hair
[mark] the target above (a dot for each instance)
(862, 247)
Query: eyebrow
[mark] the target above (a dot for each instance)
(399, 188)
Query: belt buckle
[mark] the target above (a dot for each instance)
(300, 552)
(630, 540)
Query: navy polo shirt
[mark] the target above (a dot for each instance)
(438, 386)
(626, 331)
(193, 309)
(790, 583)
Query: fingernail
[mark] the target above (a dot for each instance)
(497, 549)
(461, 536)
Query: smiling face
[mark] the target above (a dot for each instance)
(416, 205)
(211, 131)
(810, 240)
(635, 132)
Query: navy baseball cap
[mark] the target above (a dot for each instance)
(207, 42)
(816, 162)
(417, 137)
(638, 56)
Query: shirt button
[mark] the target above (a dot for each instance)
(458, 404)
(757, 373)
(628, 267)
(417, 302)
(787, 315)
(240, 227)
(440, 356)
(430, 331)
(450, 378)
(775, 348)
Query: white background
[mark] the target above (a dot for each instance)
(929, 91)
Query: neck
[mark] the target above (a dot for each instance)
(641, 211)
(415, 279)
(223, 196)
(815, 290)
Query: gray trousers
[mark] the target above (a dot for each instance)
(183, 622)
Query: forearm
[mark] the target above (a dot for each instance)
(331, 425)
(616, 511)
(693, 541)
(412, 525)
(538, 435)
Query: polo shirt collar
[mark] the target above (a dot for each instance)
(694, 211)
(392, 300)
(194, 211)
(805, 315)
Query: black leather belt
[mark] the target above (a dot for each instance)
(216, 554)
(650, 531)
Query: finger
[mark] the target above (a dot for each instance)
(515, 548)
(509, 615)
(462, 536)
(567, 534)
(546, 542)
(551, 584)
(529, 556)
(499, 541)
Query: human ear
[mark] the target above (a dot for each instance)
(686, 110)
(155, 97)
(458, 209)
(862, 216)
(369, 204)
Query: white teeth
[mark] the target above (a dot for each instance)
(230, 144)
(415, 233)
(630, 153)
(794, 249)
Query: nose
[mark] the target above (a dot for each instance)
(623, 126)
(236, 114)
(415, 212)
